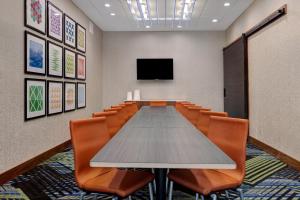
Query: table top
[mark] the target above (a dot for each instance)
(160, 137)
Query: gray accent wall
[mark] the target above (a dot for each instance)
(198, 66)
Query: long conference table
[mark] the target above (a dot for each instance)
(161, 138)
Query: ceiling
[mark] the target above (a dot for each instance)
(162, 14)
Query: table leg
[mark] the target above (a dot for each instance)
(160, 178)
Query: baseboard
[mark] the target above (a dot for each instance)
(22, 168)
(274, 152)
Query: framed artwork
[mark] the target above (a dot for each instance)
(55, 60)
(81, 95)
(69, 96)
(70, 64)
(54, 97)
(81, 38)
(35, 15)
(55, 22)
(35, 54)
(35, 98)
(69, 31)
(81, 67)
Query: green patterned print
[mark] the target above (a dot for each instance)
(70, 63)
(36, 98)
(54, 60)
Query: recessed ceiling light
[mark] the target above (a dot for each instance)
(107, 5)
(112, 14)
(147, 26)
(215, 20)
(226, 4)
(179, 26)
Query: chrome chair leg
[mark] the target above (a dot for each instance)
(129, 197)
(154, 183)
(167, 180)
(213, 196)
(197, 196)
(202, 197)
(171, 190)
(226, 194)
(95, 196)
(115, 198)
(240, 190)
(150, 191)
(82, 195)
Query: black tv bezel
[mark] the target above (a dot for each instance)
(155, 78)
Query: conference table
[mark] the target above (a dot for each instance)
(161, 138)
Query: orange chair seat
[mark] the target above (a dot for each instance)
(203, 181)
(203, 129)
(120, 182)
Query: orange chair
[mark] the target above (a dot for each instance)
(88, 137)
(158, 103)
(185, 110)
(204, 118)
(133, 107)
(125, 110)
(121, 113)
(113, 122)
(230, 135)
(193, 113)
(178, 104)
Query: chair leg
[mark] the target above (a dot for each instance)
(213, 196)
(171, 190)
(82, 195)
(115, 198)
(150, 191)
(95, 196)
(240, 190)
(167, 180)
(129, 197)
(154, 183)
(226, 194)
(202, 197)
(197, 196)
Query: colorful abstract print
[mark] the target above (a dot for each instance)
(70, 31)
(70, 64)
(36, 102)
(55, 22)
(81, 39)
(36, 11)
(81, 67)
(36, 53)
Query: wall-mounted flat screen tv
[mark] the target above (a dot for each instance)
(151, 68)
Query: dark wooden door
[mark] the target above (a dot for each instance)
(236, 78)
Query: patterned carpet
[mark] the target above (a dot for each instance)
(266, 178)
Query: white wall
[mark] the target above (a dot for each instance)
(19, 140)
(274, 75)
(198, 66)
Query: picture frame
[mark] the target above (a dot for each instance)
(55, 60)
(81, 38)
(35, 15)
(80, 67)
(35, 54)
(81, 95)
(69, 64)
(70, 35)
(69, 96)
(55, 97)
(54, 22)
(35, 98)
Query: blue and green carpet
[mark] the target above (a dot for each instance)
(267, 178)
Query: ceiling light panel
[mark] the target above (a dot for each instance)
(148, 10)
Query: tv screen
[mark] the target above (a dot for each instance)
(150, 69)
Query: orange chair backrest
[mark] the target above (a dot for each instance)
(112, 119)
(121, 114)
(158, 103)
(193, 113)
(88, 137)
(133, 107)
(230, 135)
(204, 119)
(178, 104)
